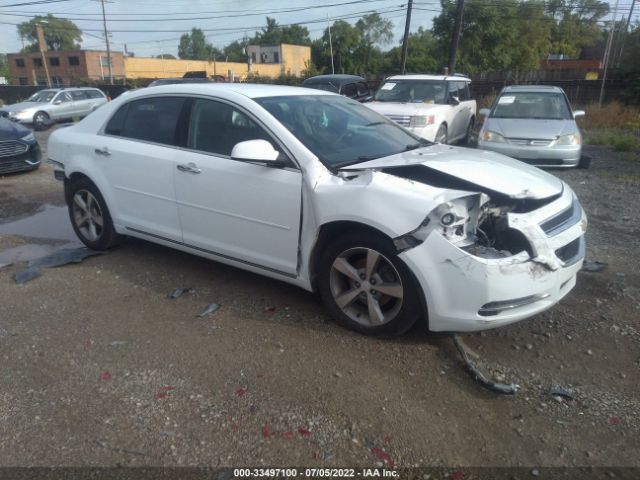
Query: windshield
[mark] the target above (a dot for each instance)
(412, 91)
(534, 105)
(42, 96)
(327, 87)
(340, 131)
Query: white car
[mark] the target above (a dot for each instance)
(317, 190)
(437, 108)
(54, 104)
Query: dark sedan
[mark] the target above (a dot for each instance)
(19, 150)
(350, 86)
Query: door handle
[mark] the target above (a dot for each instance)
(189, 168)
(103, 151)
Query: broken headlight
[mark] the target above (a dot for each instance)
(455, 219)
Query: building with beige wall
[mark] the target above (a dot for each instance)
(68, 67)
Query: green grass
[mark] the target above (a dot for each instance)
(620, 140)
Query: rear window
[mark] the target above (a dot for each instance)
(149, 119)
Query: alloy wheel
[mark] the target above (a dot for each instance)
(366, 286)
(87, 215)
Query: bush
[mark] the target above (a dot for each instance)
(611, 115)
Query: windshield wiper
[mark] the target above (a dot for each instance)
(373, 124)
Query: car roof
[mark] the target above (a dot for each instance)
(532, 88)
(420, 76)
(250, 90)
(340, 78)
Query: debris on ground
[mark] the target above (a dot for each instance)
(106, 375)
(164, 391)
(593, 266)
(58, 258)
(559, 392)
(508, 389)
(270, 310)
(209, 309)
(118, 343)
(178, 292)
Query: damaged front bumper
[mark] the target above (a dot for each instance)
(469, 292)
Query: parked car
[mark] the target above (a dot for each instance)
(19, 150)
(437, 108)
(319, 191)
(47, 106)
(173, 81)
(350, 86)
(535, 124)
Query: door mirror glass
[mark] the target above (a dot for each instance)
(255, 151)
(485, 112)
(578, 113)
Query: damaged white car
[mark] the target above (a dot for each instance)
(316, 190)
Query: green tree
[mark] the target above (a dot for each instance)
(575, 24)
(346, 40)
(422, 52)
(274, 34)
(194, 46)
(166, 56)
(4, 67)
(236, 51)
(59, 33)
(374, 30)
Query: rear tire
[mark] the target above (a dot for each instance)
(366, 287)
(90, 216)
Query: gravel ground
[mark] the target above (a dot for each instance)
(100, 368)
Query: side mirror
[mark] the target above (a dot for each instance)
(485, 112)
(57, 102)
(454, 100)
(578, 113)
(256, 151)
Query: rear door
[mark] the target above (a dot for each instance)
(80, 103)
(238, 210)
(462, 111)
(137, 156)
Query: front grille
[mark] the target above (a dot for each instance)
(14, 166)
(530, 142)
(563, 220)
(403, 120)
(11, 148)
(572, 252)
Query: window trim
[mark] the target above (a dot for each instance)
(181, 139)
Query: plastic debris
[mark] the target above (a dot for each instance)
(117, 343)
(106, 375)
(178, 292)
(472, 369)
(164, 391)
(614, 420)
(384, 456)
(593, 266)
(209, 309)
(266, 432)
(304, 433)
(58, 258)
(241, 392)
(559, 392)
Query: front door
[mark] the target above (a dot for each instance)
(238, 210)
(63, 106)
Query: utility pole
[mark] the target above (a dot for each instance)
(626, 29)
(42, 45)
(106, 37)
(453, 50)
(607, 54)
(330, 45)
(405, 39)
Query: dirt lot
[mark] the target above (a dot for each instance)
(99, 367)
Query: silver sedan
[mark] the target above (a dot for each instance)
(534, 124)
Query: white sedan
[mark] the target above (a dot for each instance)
(317, 190)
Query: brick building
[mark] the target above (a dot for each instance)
(67, 67)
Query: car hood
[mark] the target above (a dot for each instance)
(531, 128)
(475, 169)
(11, 131)
(16, 107)
(391, 108)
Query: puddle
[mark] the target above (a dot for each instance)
(30, 251)
(50, 222)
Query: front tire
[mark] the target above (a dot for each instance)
(366, 287)
(468, 138)
(41, 121)
(441, 135)
(90, 216)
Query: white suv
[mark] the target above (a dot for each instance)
(437, 108)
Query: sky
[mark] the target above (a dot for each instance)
(165, 20)
(158, 24)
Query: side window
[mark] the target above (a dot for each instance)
(150, 119)
(467, 91)
(350, 90)
(216, 127)
(94, 94)
(363, 88)
(63, 97)
(78, 95)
